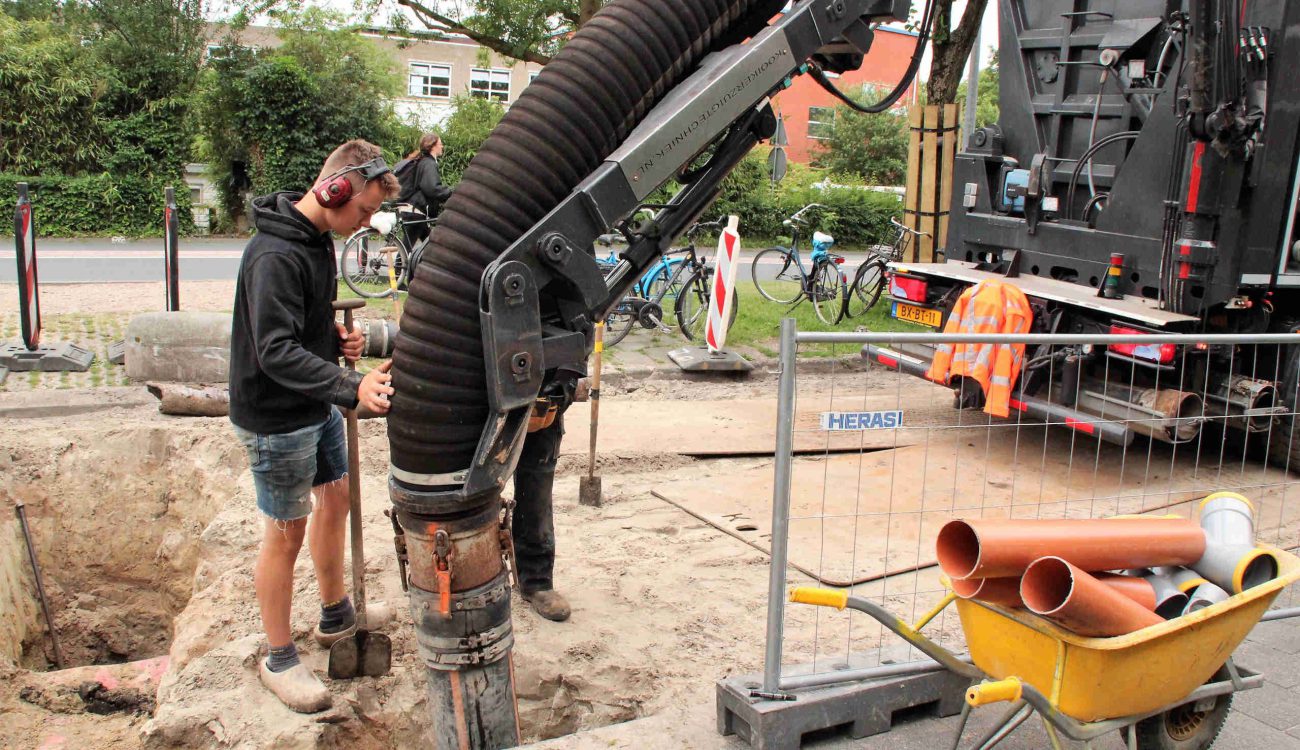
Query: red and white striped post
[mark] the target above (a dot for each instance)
(724, 282)
(171, 250)
(29, 298)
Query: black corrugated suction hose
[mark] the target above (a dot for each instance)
(576, 113)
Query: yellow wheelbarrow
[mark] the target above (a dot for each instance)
(1165, 687)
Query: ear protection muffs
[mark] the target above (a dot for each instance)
(336, 190)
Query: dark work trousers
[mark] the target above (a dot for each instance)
(533, 525)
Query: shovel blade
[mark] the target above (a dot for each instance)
(589, 491)
(365, 654)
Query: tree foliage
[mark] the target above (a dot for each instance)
(49, 89)
(872, 148)
(471, 121)
(268, 118)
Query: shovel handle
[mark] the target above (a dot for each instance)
(354, 480)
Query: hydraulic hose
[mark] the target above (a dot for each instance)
(565, 124)
(577, 111)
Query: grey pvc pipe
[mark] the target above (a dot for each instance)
(1205, 595)
(832, 337)
(1232, 561)
(1170, 600)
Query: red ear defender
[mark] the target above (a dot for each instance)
(333, 191)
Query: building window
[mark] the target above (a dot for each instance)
(820, 120)
(429, 79)
(489, 84)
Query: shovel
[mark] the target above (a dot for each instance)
(365, 653)
(589, 486)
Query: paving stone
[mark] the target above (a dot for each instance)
(1283, 635)
(1278, 667)
(1272, 704)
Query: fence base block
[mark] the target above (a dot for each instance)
(57, 358)
(117, 352)
(860, 709)
(700, 359)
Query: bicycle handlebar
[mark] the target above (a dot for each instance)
(904, 227)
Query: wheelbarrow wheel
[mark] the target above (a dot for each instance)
(1183, 727)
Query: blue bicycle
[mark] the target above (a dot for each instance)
(780, 276)
(680, 279)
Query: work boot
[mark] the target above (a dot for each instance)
(296, 687)
(378, 617)
(550, 604)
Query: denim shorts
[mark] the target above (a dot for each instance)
(288, 465)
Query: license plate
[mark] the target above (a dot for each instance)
(916, 314)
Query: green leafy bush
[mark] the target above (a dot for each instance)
(852, 214)
(100, 204)
(470, 123)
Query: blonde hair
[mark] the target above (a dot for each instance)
(354, 153)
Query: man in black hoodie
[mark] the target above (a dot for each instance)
(285, 385)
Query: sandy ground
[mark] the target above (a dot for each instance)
(146, 531)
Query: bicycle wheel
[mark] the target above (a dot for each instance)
(692, 306)
(662, 281)
(827, 299)
(868, 284)
(619, 322)
(786, 284)
(365, 262)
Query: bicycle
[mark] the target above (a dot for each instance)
(869, 281)
(645, 303)
(372, 252)
(823, 282)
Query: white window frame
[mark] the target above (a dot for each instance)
(426, 72)
(813, 123)
(492, 76)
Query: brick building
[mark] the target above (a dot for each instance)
(808, 109)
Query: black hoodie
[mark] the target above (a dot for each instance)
(284, 347)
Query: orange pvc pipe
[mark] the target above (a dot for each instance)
(1076, 600)
(1002, 591)
(1137, 589)
(1006, 591)
(1002, 547)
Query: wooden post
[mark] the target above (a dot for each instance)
(932, 151)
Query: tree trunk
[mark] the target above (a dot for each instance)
(587, 9)
(950, 48)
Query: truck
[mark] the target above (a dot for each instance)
(1142, 178)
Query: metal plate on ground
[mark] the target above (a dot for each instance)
(57, 358)
(700, 359)
(863, 708)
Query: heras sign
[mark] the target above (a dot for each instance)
(861, 420)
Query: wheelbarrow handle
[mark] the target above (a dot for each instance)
(984, 693)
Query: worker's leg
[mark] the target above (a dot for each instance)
(534, 524)
(327, 534)
(283, 467)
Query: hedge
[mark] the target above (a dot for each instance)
(101, 204)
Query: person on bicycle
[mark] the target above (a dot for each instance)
(285, 385)
(421, 183)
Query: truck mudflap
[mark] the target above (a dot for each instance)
(1109, 430)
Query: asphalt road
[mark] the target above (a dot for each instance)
(72, 261)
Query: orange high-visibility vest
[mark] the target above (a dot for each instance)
(988, 307)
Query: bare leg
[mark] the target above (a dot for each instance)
(273, 576)
(326, 537)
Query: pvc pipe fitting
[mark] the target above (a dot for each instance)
(1205, 595)
(1231, 560)
(1186, 580)
(1169, 600)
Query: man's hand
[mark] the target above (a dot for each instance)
(375, 389)
(350, 343)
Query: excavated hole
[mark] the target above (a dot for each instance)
(115, 519)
